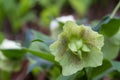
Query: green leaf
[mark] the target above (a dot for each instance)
(116, 65)
(37, 40)
(14, 53)
(21, 20)
(46, 56)
(10, 65)
(1, 37)
(54, 72)
(4, 75)
(24, 7)
(39, 36)
(60, 3)
(12, 49)
(9, 8)
(28, 38)
(2, 13)
(61, 77)
(110, 50)
(44, 3)
(103, 21)
(111, 27)
(80, 75)
(41, 48)
(80, 6)
(43, 44)
(115, 39)
(101, 71)
(112, 46)
(48, 14)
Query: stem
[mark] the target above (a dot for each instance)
(86, 75)
(115, 10)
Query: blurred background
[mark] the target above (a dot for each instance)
(17, 17)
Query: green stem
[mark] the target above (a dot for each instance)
(115, 10)
(86, 75)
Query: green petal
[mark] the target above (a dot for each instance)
(79, 44)
(92, 38)
(70, 64)
(93, 58)
(80, 54)
(59, 47)
(72, 30)
(72, 47)
(85, 48)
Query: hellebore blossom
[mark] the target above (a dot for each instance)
(77, 47)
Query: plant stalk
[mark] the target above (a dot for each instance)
(86, 74)
(115, 10)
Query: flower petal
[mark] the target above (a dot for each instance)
(70, 64)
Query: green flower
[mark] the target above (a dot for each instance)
(77, 47)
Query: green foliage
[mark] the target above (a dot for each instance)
(24, 7)
(61, 77)
(112, 46)
(111, 31)
(9, 65)
(41, 49)
(75, 49)
(103, 21)
(101, 71)
(48, 14)
(44, 3)
(113, 25)
(4, 75)
(16, 13)
(79, 6)
(42, 37)
(116, 65)
(10, 56)
(79, 53)
(110, 50)
(1, 37)
(51, 10)
(55, 72)
(13, 53)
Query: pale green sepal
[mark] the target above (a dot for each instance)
(72, 47)
(85, 48)
(79, 44)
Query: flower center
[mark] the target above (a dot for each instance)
(78, 47)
